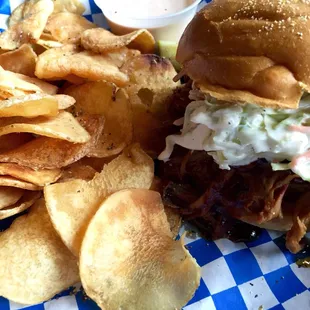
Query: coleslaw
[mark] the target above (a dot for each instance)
(238, 134)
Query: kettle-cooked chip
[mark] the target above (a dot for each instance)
(14, 182)
(121, 55)
(37, 177)
(58, 63)
(23, 60)
(72, 6)
(46, 44)
(48, 153)
(73, 79)
(30, 26)
(17, 15)
(28, 199)
(77, 171)
(67, 27)
(8, 93)
(100, 40)
(150, 85)
(29, 106)
(43, 86)
(34, 263)
(129, 260)
(96, 162)
(151, 81)
(34, 105)
(103, 98)
(70, 213)
(9, 196)
(47, 37)
(64, 101)
(11, 82)
(63, 126)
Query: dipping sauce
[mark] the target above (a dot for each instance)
(165, 19)
(148, 8)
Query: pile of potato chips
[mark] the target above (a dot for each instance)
(82, 112)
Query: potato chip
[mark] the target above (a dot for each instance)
(34, 263)
(30, 27)
(67, 27)
(70, 213)
(17, 15)
(13, 182)
(15, 84)
(6, 94)
(97, 163)
(9, 196)
(63, 126)
(35, 105)
(73, 79)
(103, 98)
(42, 86)
(58, 63)
(46, 44)
(64, 101)
(10, 81)
(29, 106)
(37, 177)
(28, 199)
(100, 40)
(77, 171)
(72, 6)
(129, 260)
(22, 60)
(149, 87)
(47, 153)
(47, 37)
(150, 81)
(29, 7)
(13, 141)
(121, 55)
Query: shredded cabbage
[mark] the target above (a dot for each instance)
(236, 135)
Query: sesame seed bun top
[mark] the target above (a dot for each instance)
(250, 51)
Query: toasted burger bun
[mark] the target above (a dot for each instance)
(250, 51)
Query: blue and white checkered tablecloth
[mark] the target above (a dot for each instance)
(234, 276)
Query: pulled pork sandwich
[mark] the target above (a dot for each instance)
(243, 154)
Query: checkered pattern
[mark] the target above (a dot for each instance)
(234, 276)
(249, 275)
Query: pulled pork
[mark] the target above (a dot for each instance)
(301, 222)
(219, 202)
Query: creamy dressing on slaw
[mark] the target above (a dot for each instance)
(148, 8)
(236, 135)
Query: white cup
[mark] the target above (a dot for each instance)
(168, 27)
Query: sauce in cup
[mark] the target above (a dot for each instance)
(165, 19)
(148, 8)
